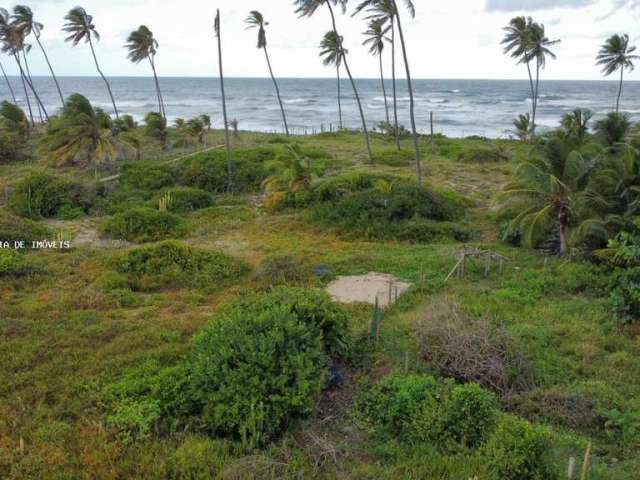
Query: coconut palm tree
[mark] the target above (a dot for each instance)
(575, 126)
(23, 19)
(331, 51)
(617, 54)
(142, 46)
(306, 8)
(216, 27)
(540, 50)
(384, 11)
(375, 40)
(80, 133)
(550, 188)
(206, 121)
(13, 43)
(256, 20)
(80, 27)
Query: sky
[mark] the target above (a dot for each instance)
(447, 39)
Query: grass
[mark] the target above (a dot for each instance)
(67, 332)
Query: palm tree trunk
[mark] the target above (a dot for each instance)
(16, 56)
(6, 79)
(416, 144)
(339, 95)
(384, 90)
(26, 66)
(224, 110)
(95, 59)
(275, 84)
(620, 90)
(55, 79)
(158, 93)
(353, 84)
(395, 89)
(532, 127)
(535, 103)
(26, 79)
(564, 232)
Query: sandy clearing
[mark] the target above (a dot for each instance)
(365, 288)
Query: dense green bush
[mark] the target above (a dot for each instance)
(312, 307)
(518, 450)
(15, 264)
(146, 175)
(340, 186)
(208, 171)
(250, 373)
(173, 264)
(420, 408)
(44, 195)
(12, 147)
(15, 229)
(186, 199)
(143, 224)
(624, 289)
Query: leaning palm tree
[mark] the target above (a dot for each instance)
(256, 20)
(23, 19)
(216, 27)
(617, 54)
(331, 51)
(375, 40)
(142, 46)
(540, 50)
(9, 86)
(306, 8)
(384, 11)
(80, 27)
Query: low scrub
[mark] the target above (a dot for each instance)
(184, 199)
(394, 157)
(624, 294)
(420, 408)
(173, 264)
(145, 224)
(483, 155)
(472, 350)
(16, 229)
(43, 195)
(281, 269)
(15, 264)
(146, 175)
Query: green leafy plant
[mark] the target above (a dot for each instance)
(143, 224)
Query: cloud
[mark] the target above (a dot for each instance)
(516, 5)
(618, 5)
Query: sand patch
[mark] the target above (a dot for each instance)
(366, 288)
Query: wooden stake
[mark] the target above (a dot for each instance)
(585, 462)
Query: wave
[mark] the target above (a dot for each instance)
(297, 100)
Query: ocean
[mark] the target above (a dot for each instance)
(460, 107)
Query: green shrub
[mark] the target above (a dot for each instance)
(471, 414)
(394, 157)
(518, 450)
(186, 199)
(250, 373)
(280, 269)
(146, 175)
(15, 264)
(143, 224)
(420, 408)
(173, 264)
(12, 147)
(43, 195)
(340, 186)
(624, 294)
(312, 307)
(15, 229)
(208, 171)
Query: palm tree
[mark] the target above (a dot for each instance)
(384, 11)
(549, 189)
(616, 54)
(141, 46)
(80, 133)
(13, 43)
(80, 27)
(540, 50)
(13, 119)
(256, 20)
(23, 19)
(206, 121)
(332, 53)
(575, 125)
(156, 127)
(216, 27)
(376, 36)
(522, 126)
(306, 8)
